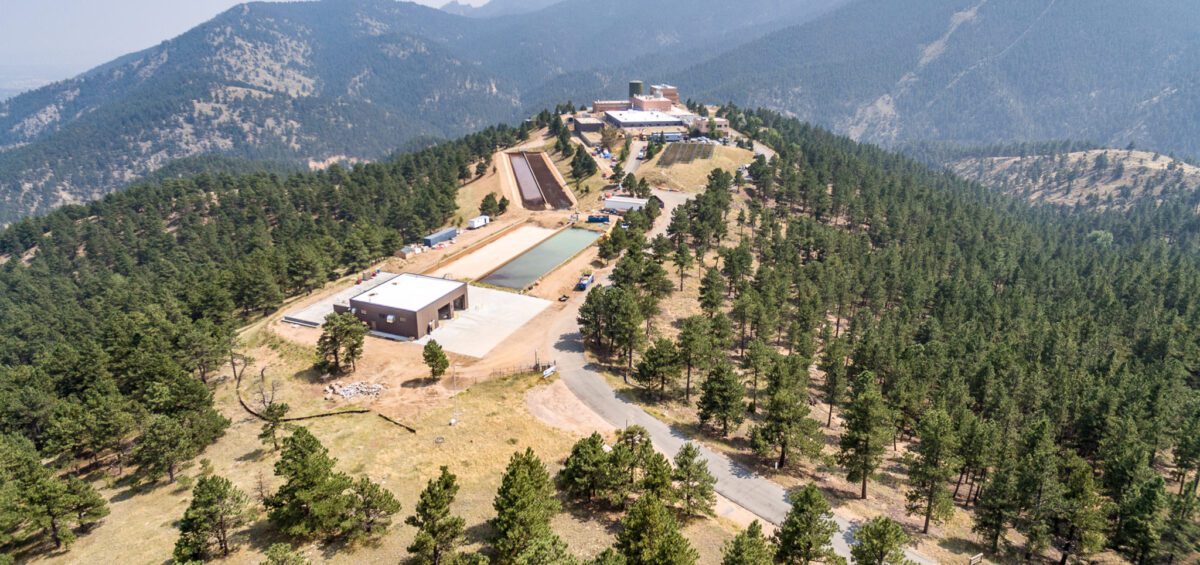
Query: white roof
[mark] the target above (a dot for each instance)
(409, 292)
(627, 199)
(640, 116)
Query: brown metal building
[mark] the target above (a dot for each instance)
(409, 305)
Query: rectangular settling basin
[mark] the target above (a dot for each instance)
(532, 265)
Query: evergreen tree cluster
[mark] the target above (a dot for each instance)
(116, 315)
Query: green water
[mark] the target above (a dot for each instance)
(532, 265)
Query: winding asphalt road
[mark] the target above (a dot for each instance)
(757, 494)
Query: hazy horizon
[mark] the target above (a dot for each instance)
(42, 41)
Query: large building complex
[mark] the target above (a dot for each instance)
(409, 305)
(659, 111)
(635, 119)
(665, 91)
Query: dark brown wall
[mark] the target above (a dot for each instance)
(407, 323)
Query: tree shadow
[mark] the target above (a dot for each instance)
(597, 511)
(419, 382)
(480, 533)
(962, 546)
(261, 535)
(254, 455)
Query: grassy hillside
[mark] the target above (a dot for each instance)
(1099, 178)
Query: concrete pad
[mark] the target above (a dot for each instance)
(313, 316)
(481, 262)
(493, 317)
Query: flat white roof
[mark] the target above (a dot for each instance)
(627, 199)
(409, 292)
(629, 116)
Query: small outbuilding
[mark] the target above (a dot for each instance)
(624, 203)
(588, 125)
(409, 305)
(440, 237)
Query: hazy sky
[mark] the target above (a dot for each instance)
(65, 37)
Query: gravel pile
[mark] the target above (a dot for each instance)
(353, 390)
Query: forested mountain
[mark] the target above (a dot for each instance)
(979, 72)
(1045, 359)
(315, 80)
(263, 81)
(1054, 340)
(114, 315)
(496, 8)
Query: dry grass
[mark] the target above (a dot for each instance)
(692, 177)
(588, 192)
(492, 422)
(1073, 178)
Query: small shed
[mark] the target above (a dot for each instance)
(478, 222)
(440, 237)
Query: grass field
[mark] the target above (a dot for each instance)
(588, 192)
(491, 419)
(671, 168)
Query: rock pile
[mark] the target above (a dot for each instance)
(353, 390)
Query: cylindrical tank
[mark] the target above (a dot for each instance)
(636, 88)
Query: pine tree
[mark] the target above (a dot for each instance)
(163, 446)
(695, 348)
(46, 503)
(1082, 517)
(1038, 486)
(997, 506)
(696, 486)
(583, 473)
(524, 505)
(273, 424)
(834, 366)
(650, 536)
(880, 541)
(283, 554)
(312, 500)
(683, 260)
(657, 478)
(786, 430)
(749, 547)
(759, 359)
(217, 509)
(1139, 528)
(806, 534)
(722, 399)
(341, 341)
(85, 503)
(609, 556)
(866, 434)
(435, 359)
(369, 509)
(712, 294)
(34, 500)
(932, 467)
(625, 324)
(659, 366)
(439, 534)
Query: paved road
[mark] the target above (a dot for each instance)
(759, 495)
(632, 164)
